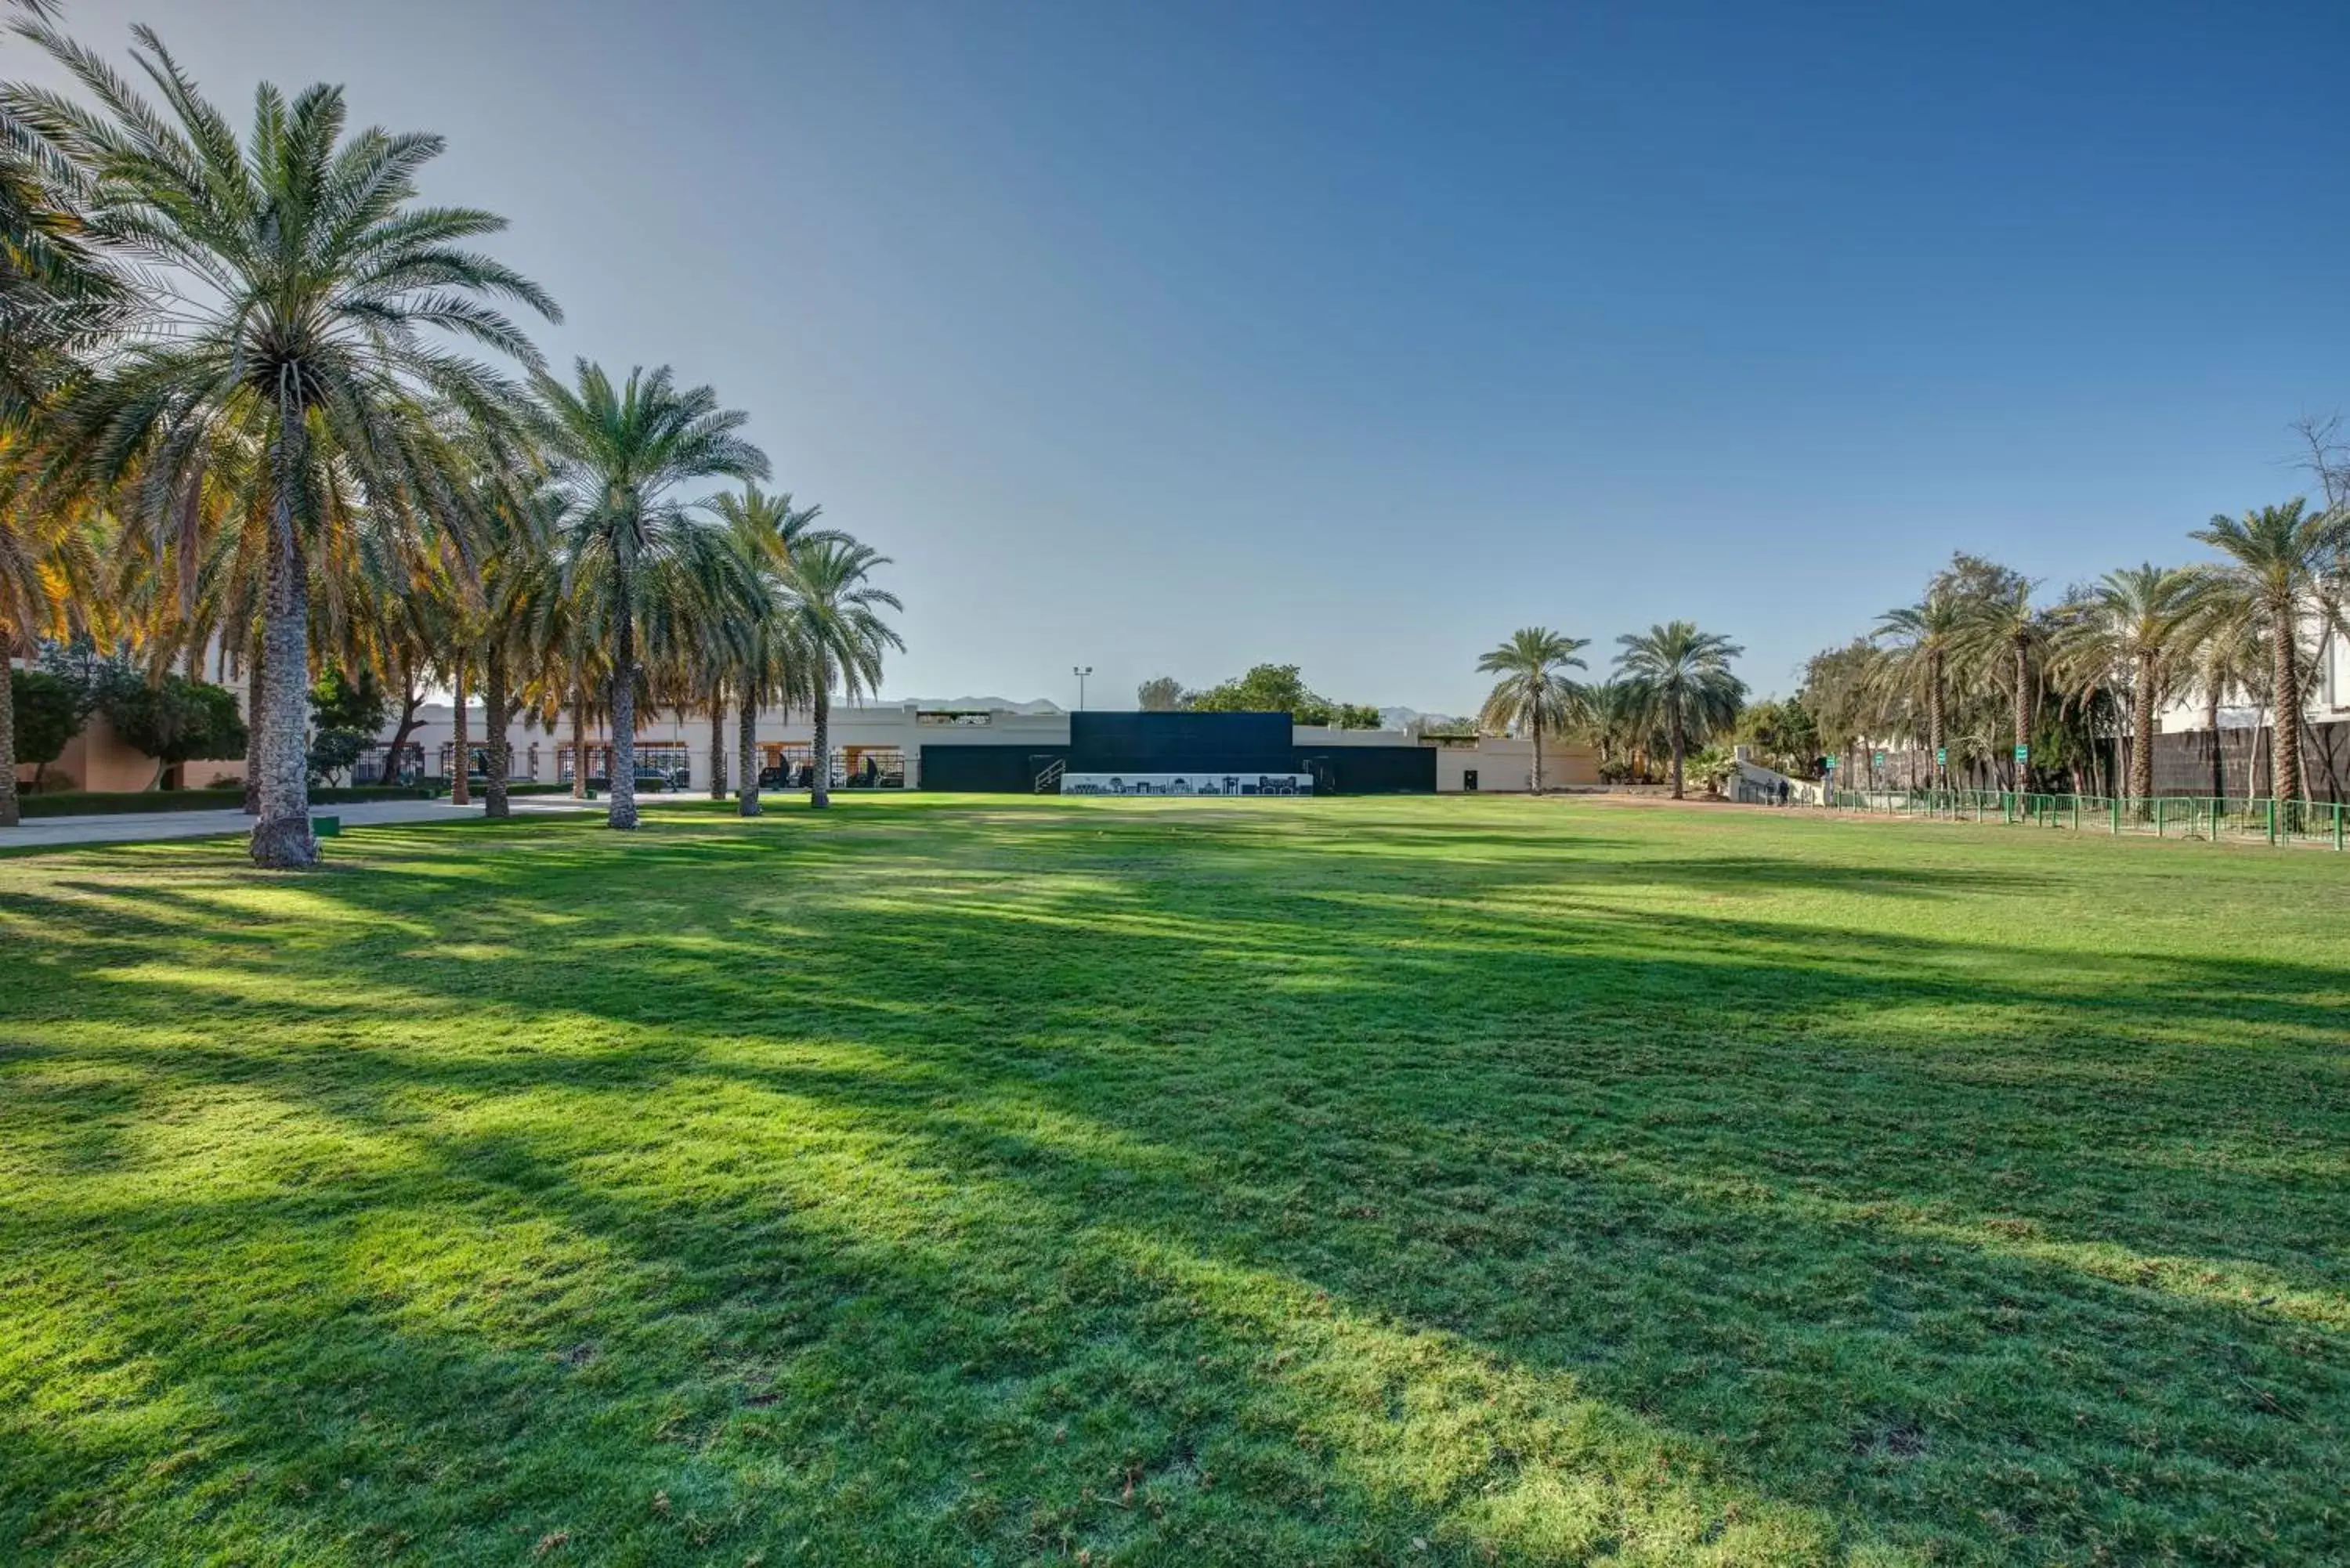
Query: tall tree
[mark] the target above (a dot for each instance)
(1844, 689)
(518, 575)
(2127, 631)
(306, 290)
(1683, 676)
(1159, 695)
(1612, 714)
(1919, 641)
(1535, 692)
(43, 550)
(1277, 689)
(2285, 564)
(620, 453)
(59, 298)
(2229, 654)
(766, 661)
(835, 616)
(2004, 634)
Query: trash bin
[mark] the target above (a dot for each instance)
(326, 826)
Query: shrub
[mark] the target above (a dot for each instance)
(47, 717)
(333, 751)
(177, 721)
(113, 803)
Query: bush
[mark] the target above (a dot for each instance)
(177, 721)
(112, 803)
(334, 751)
(1709, 766)
(438, 785)
(47, 717)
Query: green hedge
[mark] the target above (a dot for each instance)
(439, 786)
(111, 803)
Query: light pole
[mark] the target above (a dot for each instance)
(1081, 671)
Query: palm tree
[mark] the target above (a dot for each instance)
(1683, 677)
(1923, 636)
(1844, 688)
(1535, 690)
(766, 661)
(2004, 634)
(2283, 565)
(2227, 652)
(835, 616)
(618, 452)
(1610, 713)
(2129, 630)
(43, 550)
(518, 575)
(301, 281)
(58, 298)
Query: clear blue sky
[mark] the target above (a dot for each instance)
(1172, 338)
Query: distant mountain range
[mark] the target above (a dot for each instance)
(1041, 705)
(1404, 718)
(1389, 718)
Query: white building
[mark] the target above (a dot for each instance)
(882, 745)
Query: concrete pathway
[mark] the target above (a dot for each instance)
(139, 827)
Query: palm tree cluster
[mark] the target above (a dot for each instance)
(1672, 689)
(1984, 675)
(257, 395)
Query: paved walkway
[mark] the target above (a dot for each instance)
(129, 827)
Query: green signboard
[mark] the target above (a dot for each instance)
(2023, 753)
(1880, 759)
(1941, 757)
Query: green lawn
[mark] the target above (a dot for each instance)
(995, 1181)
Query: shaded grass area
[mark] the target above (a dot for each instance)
(1000, 1181)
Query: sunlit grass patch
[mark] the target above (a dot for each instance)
(1011, 1180)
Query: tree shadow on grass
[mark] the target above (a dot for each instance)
(1729, 1220)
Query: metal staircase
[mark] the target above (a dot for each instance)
(1049, 781)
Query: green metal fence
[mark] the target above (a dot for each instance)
(2324, 824)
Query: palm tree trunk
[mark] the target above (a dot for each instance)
(9, 810)
(1942, 773)
(2141, 770)
(1538, 778)
(746, 760)
(461, 767)
(2261, 731)
(493, 715)
(2022, 712)
(579, 743)
(820, 777)
(1680, 742)
(281, 837)
(256, 702)
(623, 812)
(2284, 751)
(2218, 753)
(718, 744)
